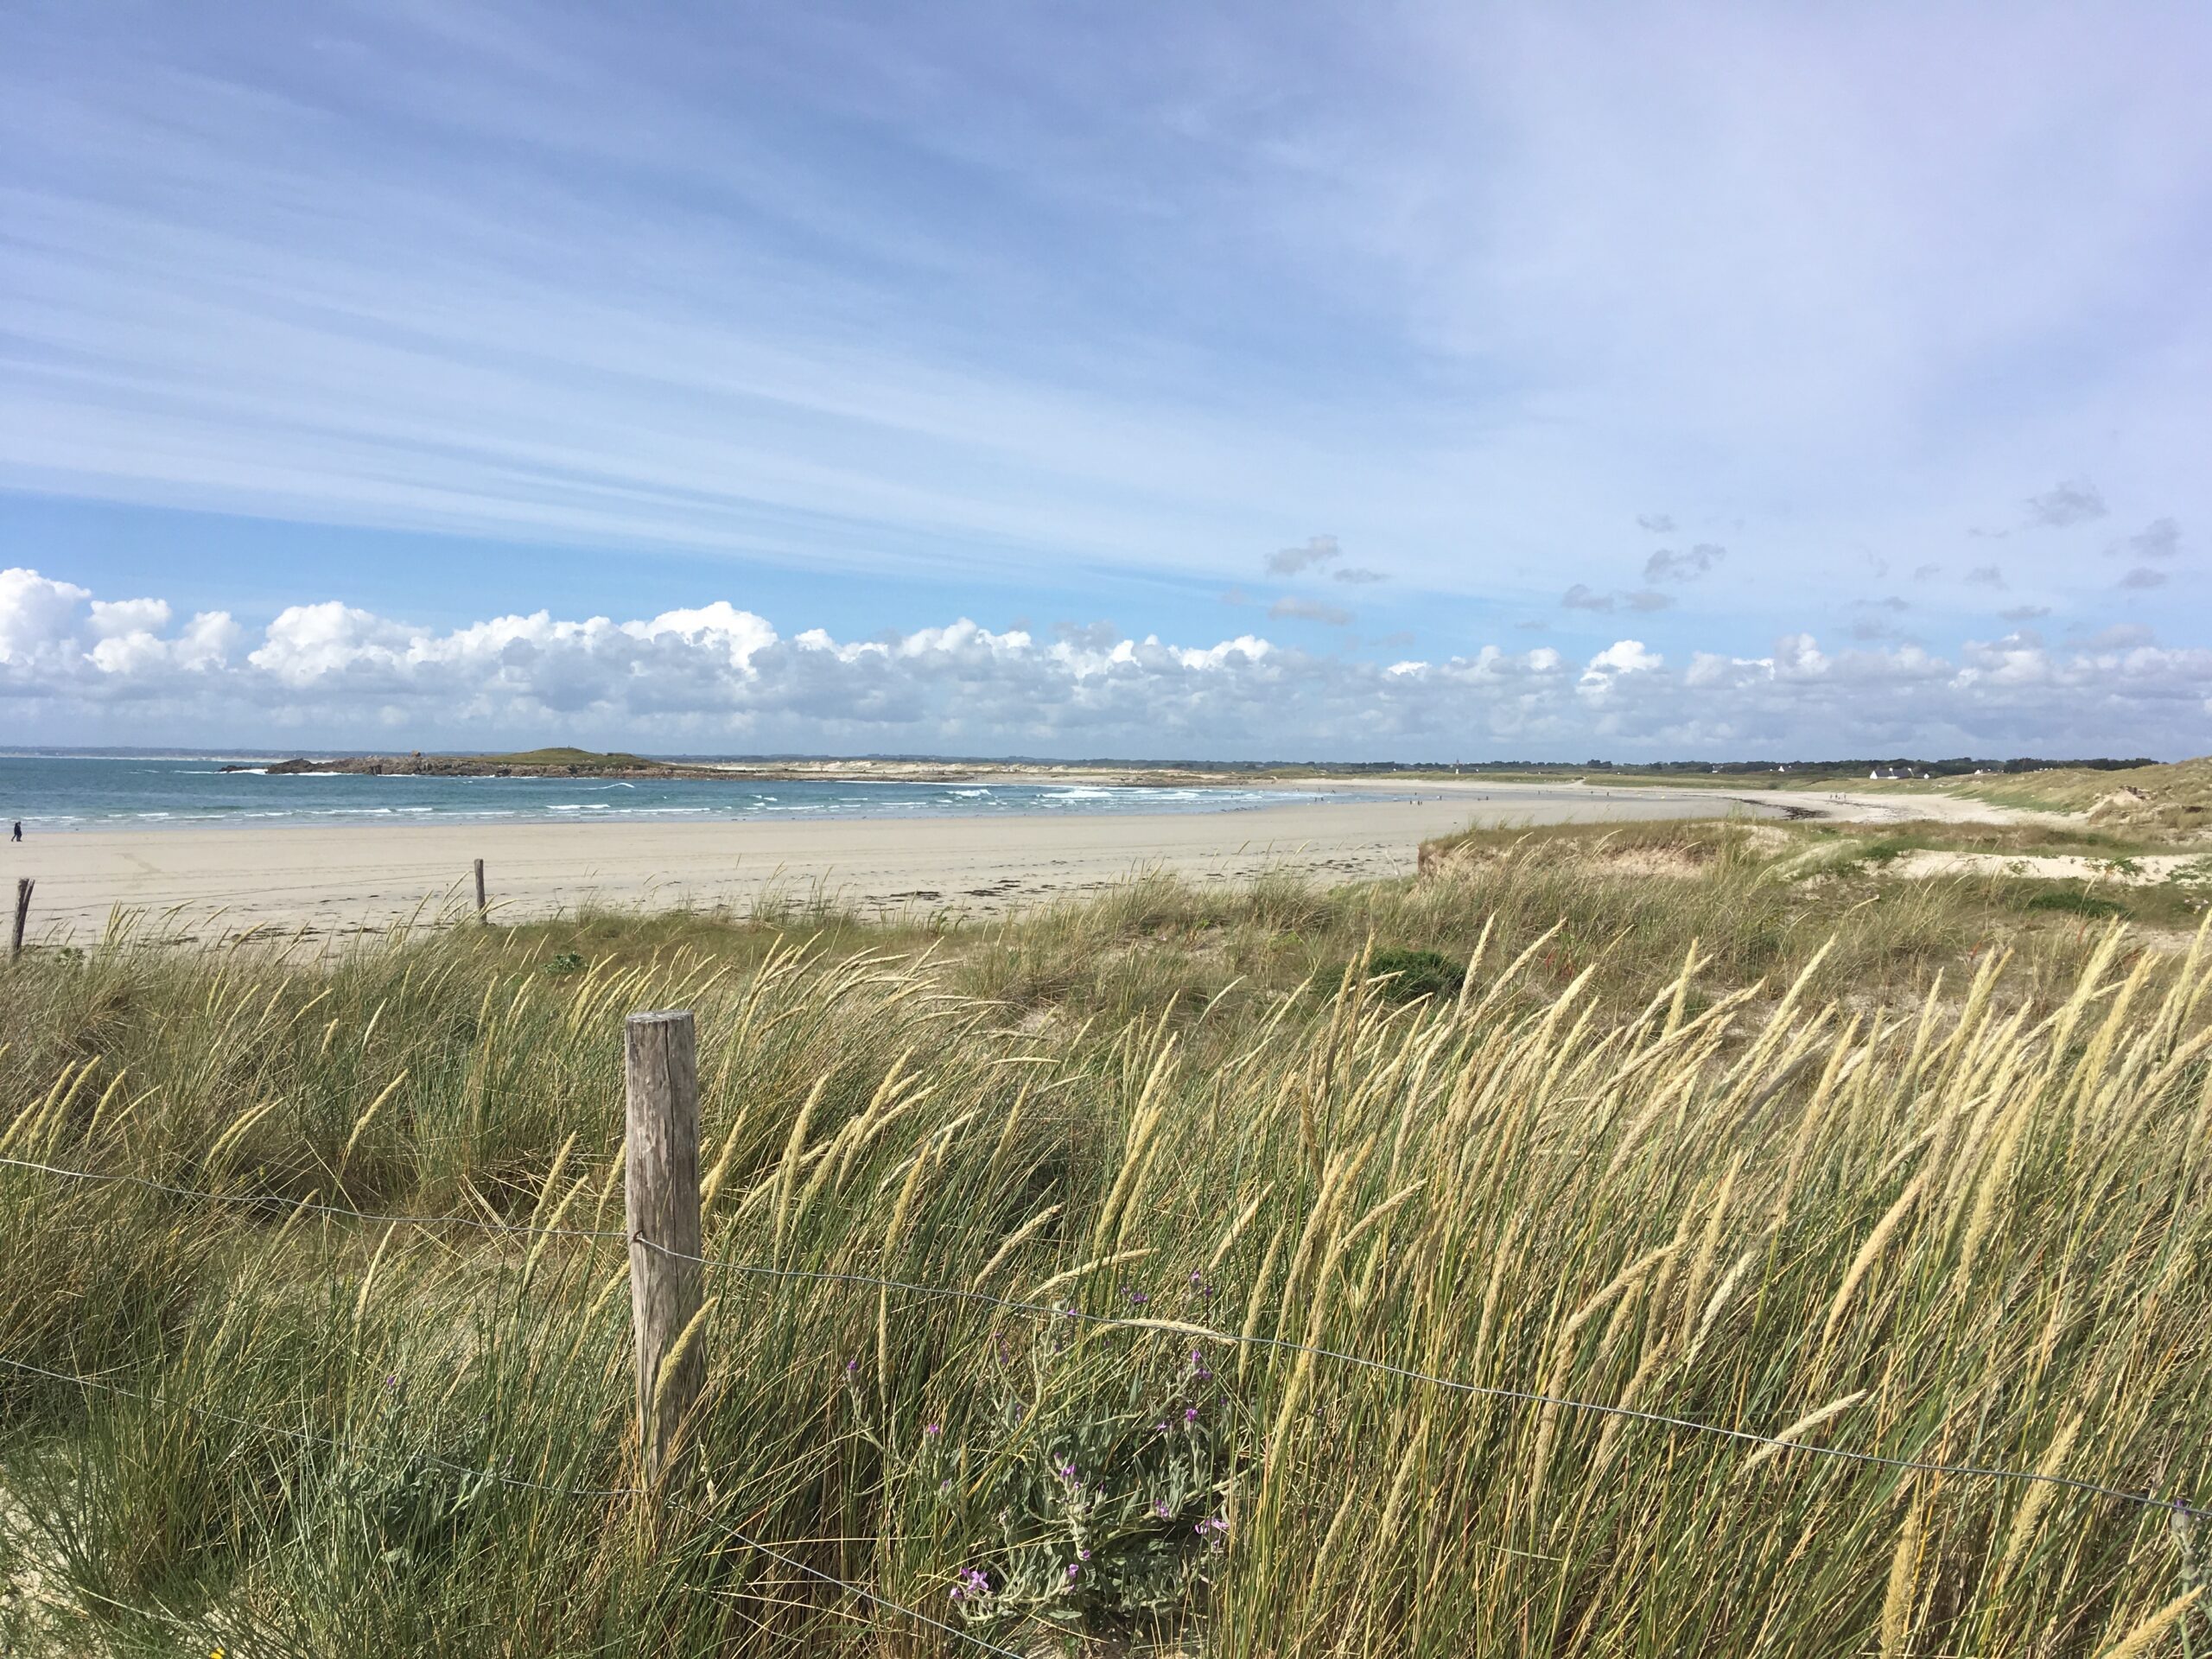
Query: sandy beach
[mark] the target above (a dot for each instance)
(220, 881)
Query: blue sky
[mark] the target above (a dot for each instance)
(1601, 379)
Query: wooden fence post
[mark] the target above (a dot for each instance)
(660, 1077)
(22, 915)
(480, 915)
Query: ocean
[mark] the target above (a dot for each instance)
(51, 792)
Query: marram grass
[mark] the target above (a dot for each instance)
(1967, 1227)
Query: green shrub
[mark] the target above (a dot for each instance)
(1415, 973)
(2075, 902)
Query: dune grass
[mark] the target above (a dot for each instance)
(1923, 1175)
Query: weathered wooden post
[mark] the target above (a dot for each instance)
(660, 1077)
(22, 915)
(480, 915)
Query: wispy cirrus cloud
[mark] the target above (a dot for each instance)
(889, 291)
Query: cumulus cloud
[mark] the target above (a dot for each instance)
(1090, 636)
(1667, 565)
(1309, 610)
(57, 640)
(1311, 554)
(118, 618)
(1582, 598)
(2063, 505)
(721, 677)
(1984, 575)
(1659, 523)
(2159, 539)
(2144, 576)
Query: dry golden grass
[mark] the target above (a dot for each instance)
(1960, 1222)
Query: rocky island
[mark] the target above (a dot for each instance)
(530, 763)
(586, 763)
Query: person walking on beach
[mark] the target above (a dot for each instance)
(18, 835)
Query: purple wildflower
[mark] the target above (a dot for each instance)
(1190, 1415)
(931, 1430)
(974, 1586)
(1075, 1571)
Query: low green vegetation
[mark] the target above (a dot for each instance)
(583, 759)
(1636, 1118)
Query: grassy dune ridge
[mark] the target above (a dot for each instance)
(1915, 1167)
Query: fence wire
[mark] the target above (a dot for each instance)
(1197, 1332)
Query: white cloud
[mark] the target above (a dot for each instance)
(58, 642)
(722, 677)
(112, 618)
(34, 613)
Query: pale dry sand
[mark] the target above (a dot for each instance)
(2145, 870)
(220, 881)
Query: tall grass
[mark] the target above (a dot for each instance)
(1963, 1224)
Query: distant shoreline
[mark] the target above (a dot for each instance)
(212, 880)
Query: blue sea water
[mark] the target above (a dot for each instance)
(50, 792)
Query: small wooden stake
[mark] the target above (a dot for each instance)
(22, 914)
(660, 1076)
(480, 915)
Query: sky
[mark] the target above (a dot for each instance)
(1391, 381)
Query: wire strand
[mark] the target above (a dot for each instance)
(1527, 1396)
(1013, 1304)
(271, 1202)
